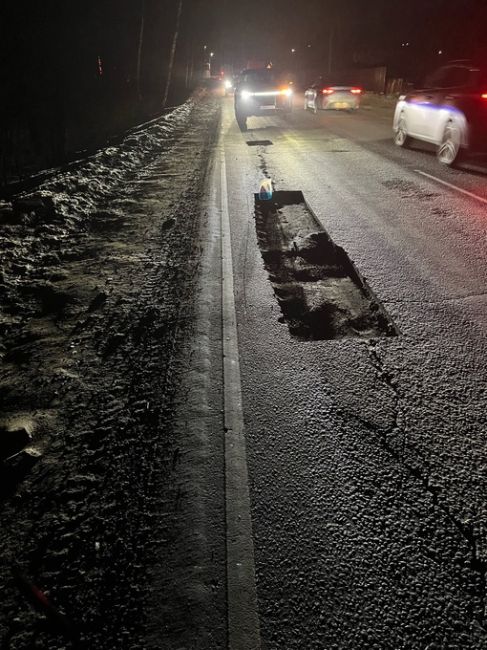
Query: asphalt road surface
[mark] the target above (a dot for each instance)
(245, 424)
(365, 438)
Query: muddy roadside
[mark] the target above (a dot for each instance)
(97, 278)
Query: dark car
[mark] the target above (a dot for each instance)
(449, 111)
(261, 91)
(325, 94)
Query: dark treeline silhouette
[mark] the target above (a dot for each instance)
(73, 72)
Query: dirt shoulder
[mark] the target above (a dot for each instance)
(97, 288)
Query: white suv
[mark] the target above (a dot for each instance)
(450, 111)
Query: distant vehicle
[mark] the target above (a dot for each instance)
(261, 91)
(450, 111)
(324, 95)
(228, 85)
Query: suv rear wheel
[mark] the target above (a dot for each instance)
(450, 151)
(401, 137)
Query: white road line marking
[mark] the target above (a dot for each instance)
(243, 618)
(453, 187)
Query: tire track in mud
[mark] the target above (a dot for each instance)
(90, 521)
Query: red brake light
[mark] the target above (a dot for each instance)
(327, 91)
(356, 91)
(484, 95)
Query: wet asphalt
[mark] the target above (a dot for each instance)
(366, 456)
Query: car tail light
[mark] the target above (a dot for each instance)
(327, 91)
(356, 91)
(484, 95)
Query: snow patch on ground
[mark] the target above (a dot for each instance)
(77, 192)
(97, 275)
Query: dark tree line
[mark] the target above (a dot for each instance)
(73, 72)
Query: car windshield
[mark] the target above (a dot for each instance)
(261, 77)
(457, 76)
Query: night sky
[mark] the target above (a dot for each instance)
(364, 32)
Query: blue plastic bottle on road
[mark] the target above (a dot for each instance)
(265, 192)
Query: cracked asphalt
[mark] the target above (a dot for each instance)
(366, 457)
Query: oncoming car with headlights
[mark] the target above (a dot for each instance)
(261, 91)
(228, 85)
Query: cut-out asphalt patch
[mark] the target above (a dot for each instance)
(321, 293)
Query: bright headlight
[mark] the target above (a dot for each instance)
(288, 92)
(246, 94)
(228, 84)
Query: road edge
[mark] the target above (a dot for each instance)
(243, 619)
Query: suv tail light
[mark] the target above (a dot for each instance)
(356, 91)
(327, 91)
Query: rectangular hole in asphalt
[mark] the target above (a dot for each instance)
(321, 293)
(259, 143)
